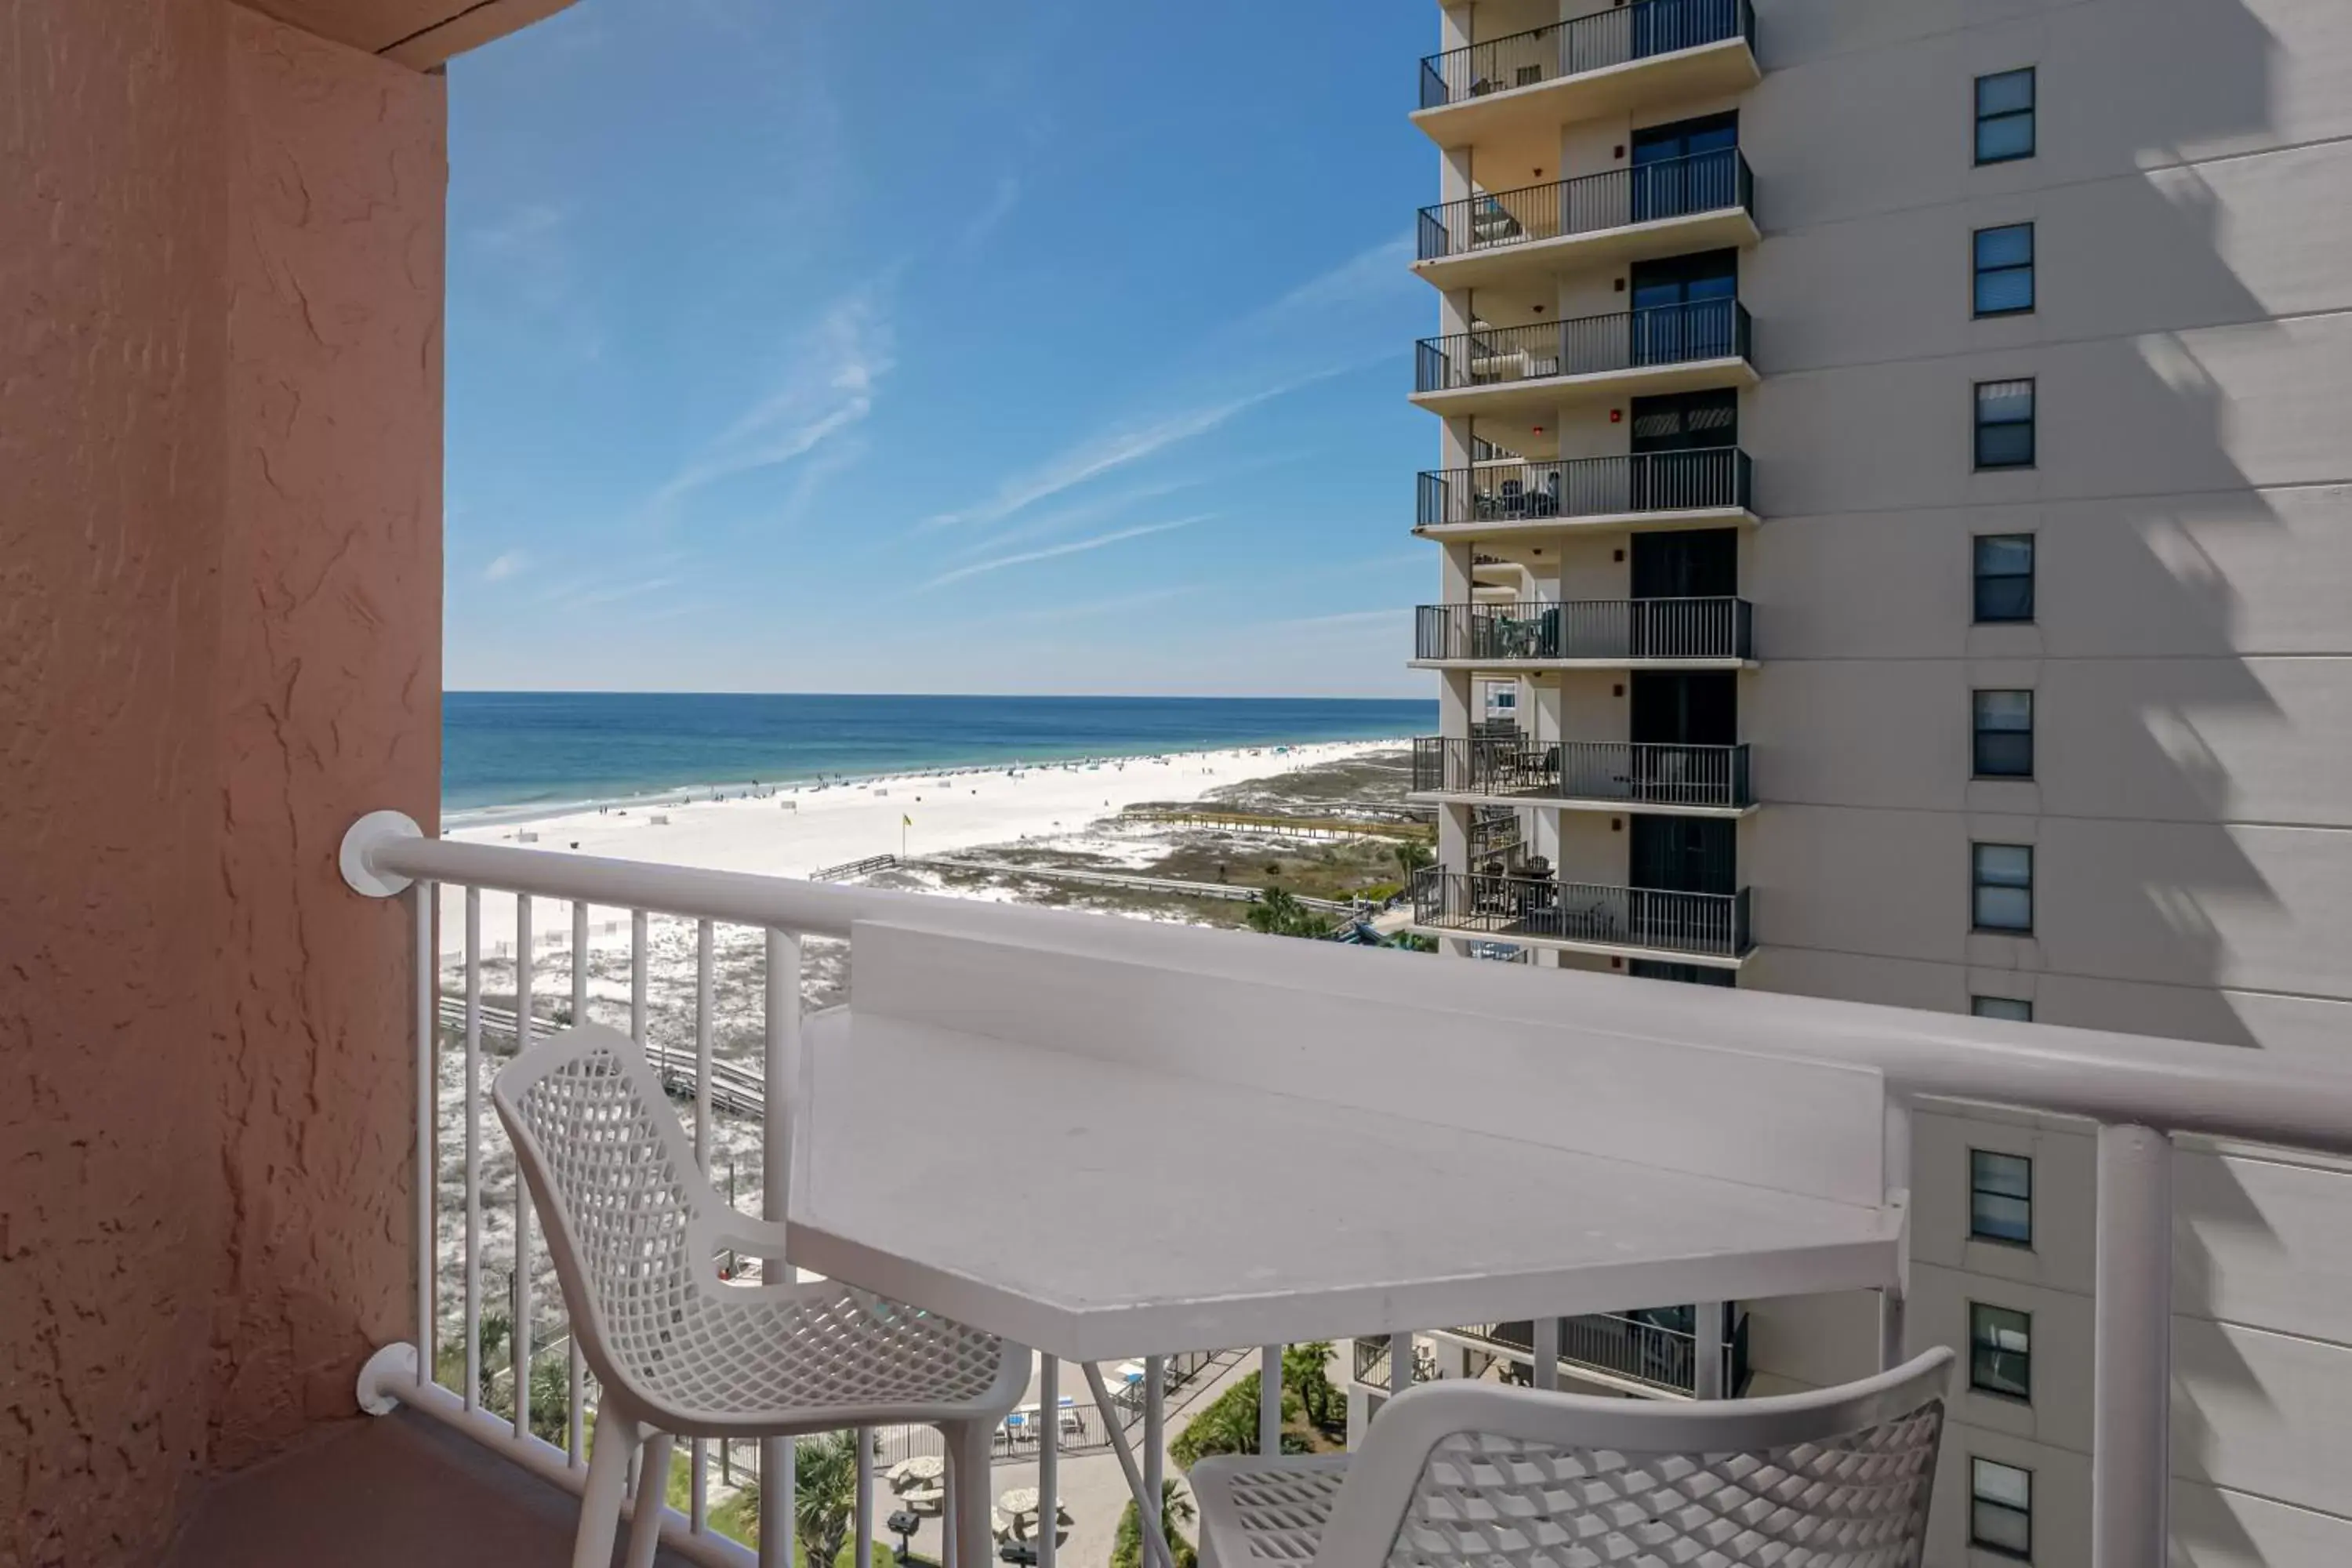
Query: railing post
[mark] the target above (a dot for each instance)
(427, 1173)
(1269, 1401)
(1049, 1458)
(781, 1079)
(2131, 1425)
(1155, 1449)
(865, 1504)
(1545, 1349)
(1707, 1351)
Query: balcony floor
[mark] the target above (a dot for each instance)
(386, 1491)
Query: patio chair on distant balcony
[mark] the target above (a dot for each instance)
(634, 1231)
(1460, 1473)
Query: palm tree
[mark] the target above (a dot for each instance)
(824, 1494)
(1411, 855)
(1278, 912)
(1175, 1509)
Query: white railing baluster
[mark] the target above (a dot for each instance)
(1049, 1458)
(781, 1064)
(1155, 1446)
(428, 1114)
(1270, 1399)
(705, 939)
(1707, 1351)
(2131, 1350)
(638, 975)
(473, 1123)
(575, 1369)
(864, 1507)
(518, 1339)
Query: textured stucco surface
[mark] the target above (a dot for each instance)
(330, 652)
(220, 287)
(112, 484)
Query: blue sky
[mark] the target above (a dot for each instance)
(1034, 347)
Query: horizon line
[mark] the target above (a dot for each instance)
(1025, 696)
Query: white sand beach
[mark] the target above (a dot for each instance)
(794, 830)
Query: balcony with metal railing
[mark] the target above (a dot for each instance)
(1591, 776)
(1625, 1348)
(1504, 371)
(1651, 52)
(1705, 201)
(1705, 488)
(1584, 917)
(1670, 1202)
(1606, 633)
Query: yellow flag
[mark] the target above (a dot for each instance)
(905, 821)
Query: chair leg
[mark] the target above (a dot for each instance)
(968, 1445)
(653, 1493)
(608, 1479)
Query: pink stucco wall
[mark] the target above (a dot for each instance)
(330, 705)
(220, 297)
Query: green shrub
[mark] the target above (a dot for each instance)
(1175, 1509)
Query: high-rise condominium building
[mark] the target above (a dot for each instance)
(1895, 544)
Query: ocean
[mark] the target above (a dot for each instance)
(508, 754)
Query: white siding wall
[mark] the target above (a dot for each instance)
(2191, 812)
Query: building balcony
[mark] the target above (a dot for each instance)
(1708, 489)
(1528, 370)
(1587, 634)
(1637, 1104)
(1703, 201)
(1584, 776)
(1525, 86)
(1711, 929)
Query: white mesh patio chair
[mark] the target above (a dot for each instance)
(1463, 1474)
(634, 1231)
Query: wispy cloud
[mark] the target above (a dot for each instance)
(1368, 275)
(1115, 449)
(1090, 609)
(1067, 519)
(836, 372)
(590, 596)
(530, 252)
(505, 566)
(1345, 618)
(1048, 552)
(991, 218)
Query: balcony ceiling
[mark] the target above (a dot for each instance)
(419, 34)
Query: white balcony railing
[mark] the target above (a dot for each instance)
(2140, 1090)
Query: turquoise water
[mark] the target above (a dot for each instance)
(514, 751)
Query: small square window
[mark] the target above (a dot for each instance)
(2004, 271)
(2000, 1509)
(2000, 1351)
(2000, 1197)
(2004, 734)
(2005, 424)
(2005, 1008)
(2004, 577)
(2005, 116)
(2003, 877)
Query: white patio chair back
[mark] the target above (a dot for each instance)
(615, 1180)
(634, 1231)
(1480, 1474)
